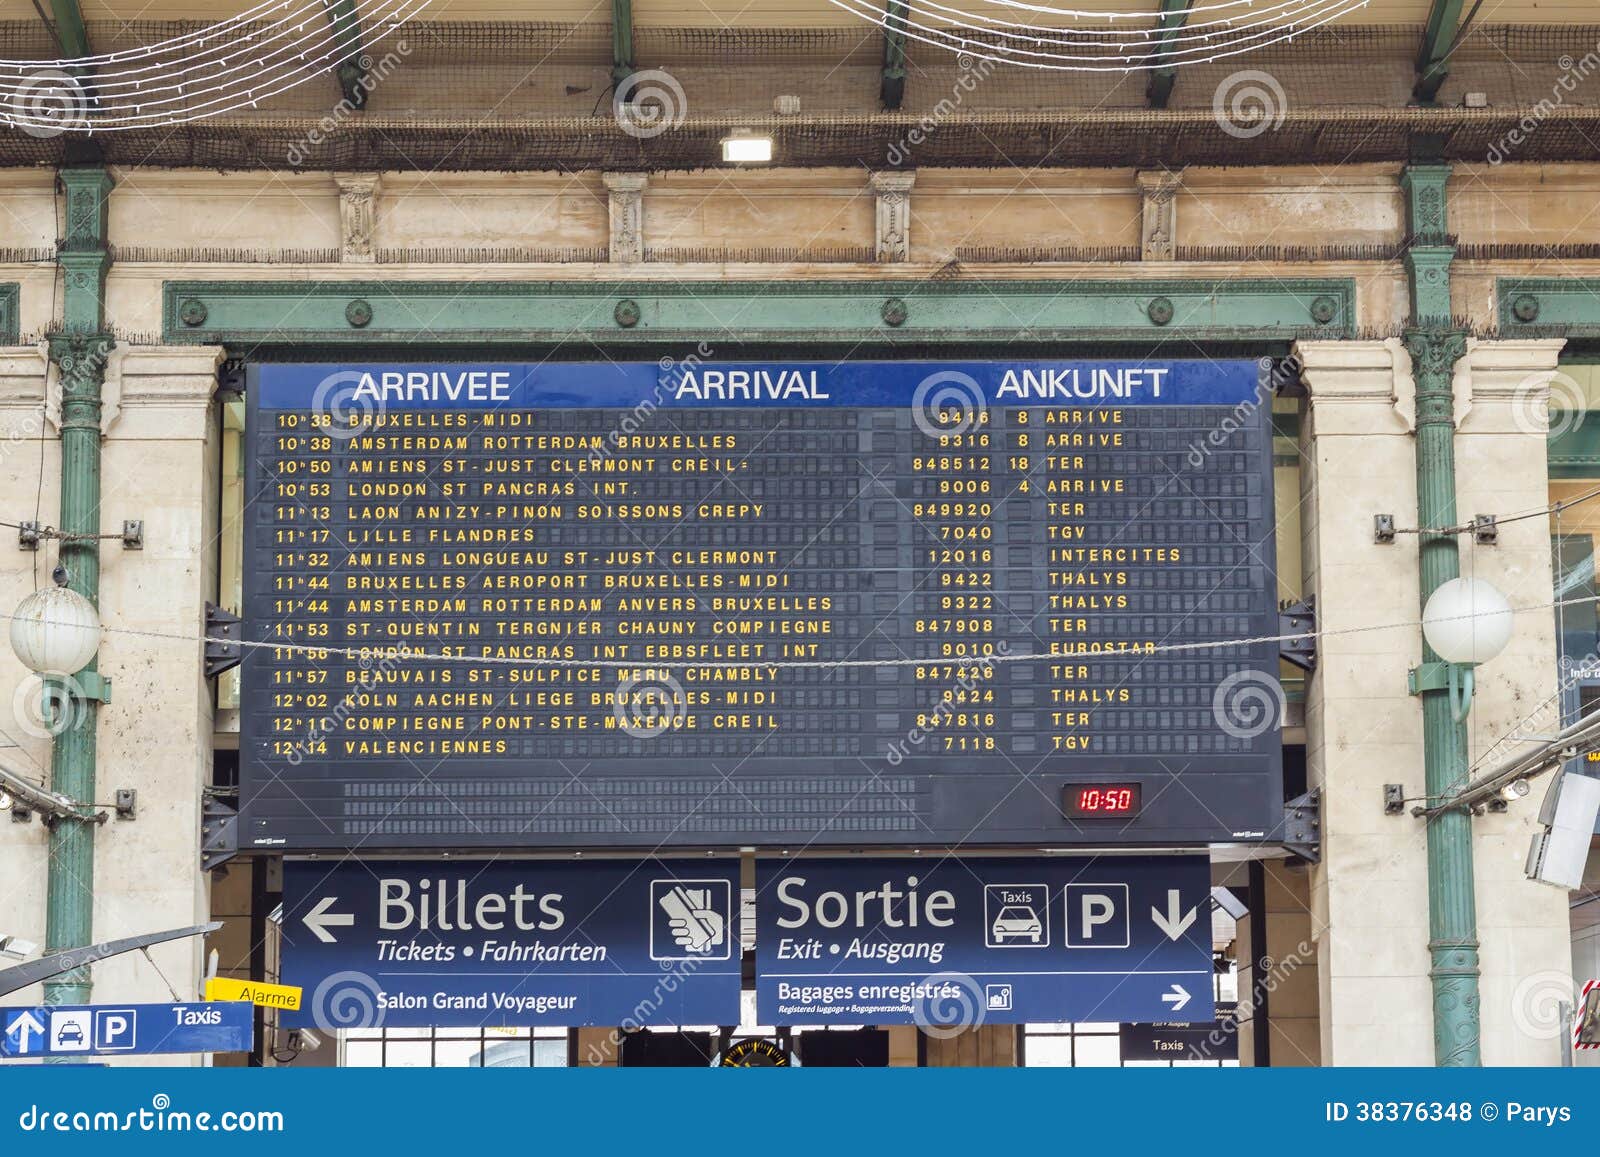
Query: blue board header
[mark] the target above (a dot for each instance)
(355, 389)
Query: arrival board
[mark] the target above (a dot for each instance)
(731, 603)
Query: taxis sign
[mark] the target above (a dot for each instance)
(285, 996)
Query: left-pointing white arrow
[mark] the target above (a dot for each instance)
(319, 919)
(1177, 998)
(25, 1028)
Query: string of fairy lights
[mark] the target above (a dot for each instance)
(1079, 40)
(237, 63)
(230, 66)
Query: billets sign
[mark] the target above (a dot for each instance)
(512, 942)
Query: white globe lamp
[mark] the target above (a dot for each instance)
(1467, 621)
(55, 631)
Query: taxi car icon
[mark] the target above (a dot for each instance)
(1017, 922)
(70, 1033)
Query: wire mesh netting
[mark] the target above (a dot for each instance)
(516, 96)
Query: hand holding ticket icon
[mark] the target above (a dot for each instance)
(696, 927)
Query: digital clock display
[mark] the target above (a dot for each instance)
(1092, 801)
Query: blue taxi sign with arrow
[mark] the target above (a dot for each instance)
(130, 1029)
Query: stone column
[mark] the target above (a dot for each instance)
(1369, 895)
(627, 216)
(161, 464)
(893, 216)
(1158, 232)
(1524, 928)
(358, 199)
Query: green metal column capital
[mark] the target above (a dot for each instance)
(1434, 352)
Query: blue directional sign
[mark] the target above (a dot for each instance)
(1002, 941)
(512, 943)
(129, 1029)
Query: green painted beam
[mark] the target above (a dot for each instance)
(622, 63)
(346, 23)
(1549, 306)
(1174, 14)
(1574, 444)
(1438, 39)
(70, 33)
(892, 90)
(905, 313)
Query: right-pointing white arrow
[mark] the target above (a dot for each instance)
(1175, 921)
(319, 919)
(1177, 998)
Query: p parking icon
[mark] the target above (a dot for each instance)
(115, 1029)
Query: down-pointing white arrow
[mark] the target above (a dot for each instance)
(1175, 921)
(319, 919)
(1177, 998)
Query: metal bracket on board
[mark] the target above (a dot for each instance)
(223, 631)
(219, 833)
(1301, 833)
(1299, 619)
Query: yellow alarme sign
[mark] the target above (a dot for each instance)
(269, 995)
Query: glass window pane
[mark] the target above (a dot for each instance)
(1046, 1052)
(1099, 1051)
(550, 1054)
(507, 1054)
(408, 1054)
(1099, 1026)
(457, 1054)
(363, 1054)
